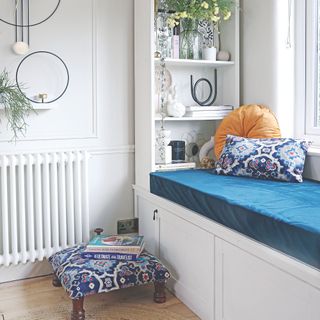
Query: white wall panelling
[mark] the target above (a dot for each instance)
(95, 39)
(97, 109)
(40, 72)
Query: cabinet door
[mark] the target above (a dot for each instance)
(188, 251)
(147, 213)
(249, 288)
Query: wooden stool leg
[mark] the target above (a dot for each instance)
(78, 312)
(159, 292)
(55, 281)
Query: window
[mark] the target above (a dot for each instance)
(312, 70)
(307, 70)
(317, 111)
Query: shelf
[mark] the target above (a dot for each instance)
(190, 118)
(195, 63)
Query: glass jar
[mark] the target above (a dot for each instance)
(191, 40)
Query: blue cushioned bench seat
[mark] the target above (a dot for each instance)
(282, 215)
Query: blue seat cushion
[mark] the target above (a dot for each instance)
(284, 216)
(81, 277)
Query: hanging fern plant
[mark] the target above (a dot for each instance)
(16, 106)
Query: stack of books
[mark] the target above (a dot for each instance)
(210, 111)
(117, 247)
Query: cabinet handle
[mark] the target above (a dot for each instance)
(154, 214)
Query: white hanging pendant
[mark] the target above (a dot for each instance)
(20, 47)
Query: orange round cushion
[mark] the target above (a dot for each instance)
(249, 121)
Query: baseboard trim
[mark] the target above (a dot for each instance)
(25, 271)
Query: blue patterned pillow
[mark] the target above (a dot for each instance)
(275, 158)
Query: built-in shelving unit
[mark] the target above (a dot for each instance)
(147, 117)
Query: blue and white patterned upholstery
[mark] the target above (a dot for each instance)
(274, 158)
(81, 277)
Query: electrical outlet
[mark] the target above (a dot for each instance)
(128, 226)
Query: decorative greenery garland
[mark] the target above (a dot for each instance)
(16, 106)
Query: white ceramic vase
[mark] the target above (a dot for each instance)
(209, 54)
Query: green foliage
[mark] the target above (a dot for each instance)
(16, 106)
(210, 10)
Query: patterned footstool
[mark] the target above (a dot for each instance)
(82, 277)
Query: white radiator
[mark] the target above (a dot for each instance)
(43, 204)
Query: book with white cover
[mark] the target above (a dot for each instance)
(176, 166)
(207, 113)
(209, 108)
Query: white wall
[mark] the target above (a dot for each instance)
(267, 64)
(95, 38)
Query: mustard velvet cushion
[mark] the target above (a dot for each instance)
(249, 121)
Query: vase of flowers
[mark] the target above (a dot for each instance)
(188, 13)
(191, 40)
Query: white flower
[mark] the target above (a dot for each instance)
(171, 22)
(183, 14)
(215, 19)
(205, 5)
(227, 15)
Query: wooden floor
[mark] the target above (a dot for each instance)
(37, 299)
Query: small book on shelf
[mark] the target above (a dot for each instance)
(209, 108)
(175, 166)
(199, 114)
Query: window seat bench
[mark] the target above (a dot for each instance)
(237, 248)
(282, 215)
